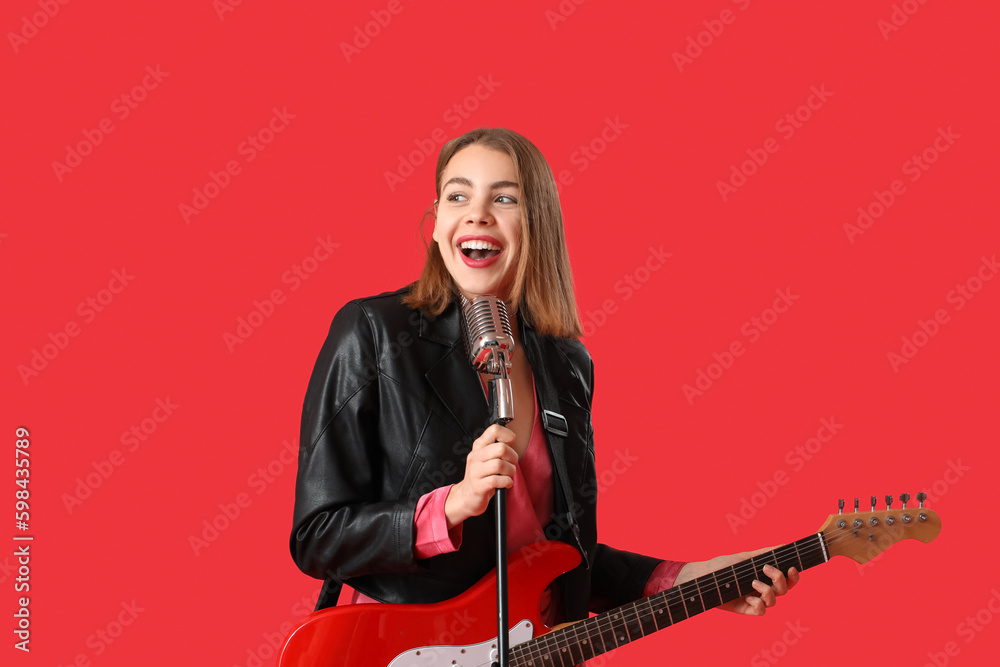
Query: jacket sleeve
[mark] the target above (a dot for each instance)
(342, 526)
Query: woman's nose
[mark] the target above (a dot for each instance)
(480, 214)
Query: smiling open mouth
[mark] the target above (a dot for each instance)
(477, 250)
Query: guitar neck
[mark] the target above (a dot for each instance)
(607, 631)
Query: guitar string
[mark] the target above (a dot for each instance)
(677, 594)
(548, 645)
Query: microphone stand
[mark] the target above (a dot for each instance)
(488, 335)
(501, 402)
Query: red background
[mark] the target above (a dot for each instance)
(655, 185)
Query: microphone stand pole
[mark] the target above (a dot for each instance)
(500, 402)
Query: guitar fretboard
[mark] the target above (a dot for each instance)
(607, 631)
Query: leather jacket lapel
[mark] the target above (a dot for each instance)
(452, 378)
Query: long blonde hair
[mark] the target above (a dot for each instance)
(542, 292)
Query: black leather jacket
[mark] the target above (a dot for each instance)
(390, 414)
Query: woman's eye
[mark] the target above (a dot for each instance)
(506, 199)
(455, 196)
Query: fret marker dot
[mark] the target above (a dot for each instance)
(692, 599)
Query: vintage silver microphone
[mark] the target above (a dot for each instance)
(490, 346)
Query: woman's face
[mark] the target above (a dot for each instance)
(478, 223)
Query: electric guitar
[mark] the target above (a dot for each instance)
(461, 632)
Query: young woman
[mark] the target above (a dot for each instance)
(395, 467)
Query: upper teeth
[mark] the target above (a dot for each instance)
(479, 245)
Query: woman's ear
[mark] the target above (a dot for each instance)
(434, 212)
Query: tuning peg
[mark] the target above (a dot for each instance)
(905, 497)
(921, 497)
(874, 500)
(888, 502)
(856, 501)
(840, 506)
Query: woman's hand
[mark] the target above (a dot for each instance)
(489, 466)
(747, 604)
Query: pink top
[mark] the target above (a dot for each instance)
(529, 506)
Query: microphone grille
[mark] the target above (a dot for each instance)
(488, 339)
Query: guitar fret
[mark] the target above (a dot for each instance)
(561, 653)
(675, 604)
(798, 556)
(718, 590)
(661, 611)
(647, 616)
(586, 644)
(574, 646)
(736, 578)
(758, 571)
(785, 558)
(607, 632)
(619, 629)
(749, 574)
(814, 555)
(709, 591)
(632, 623)
(729, 588)
(696, 598)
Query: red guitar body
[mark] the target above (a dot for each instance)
(374, 635)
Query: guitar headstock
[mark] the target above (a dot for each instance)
(864, 535)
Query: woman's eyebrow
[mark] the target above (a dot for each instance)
(496, 185)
